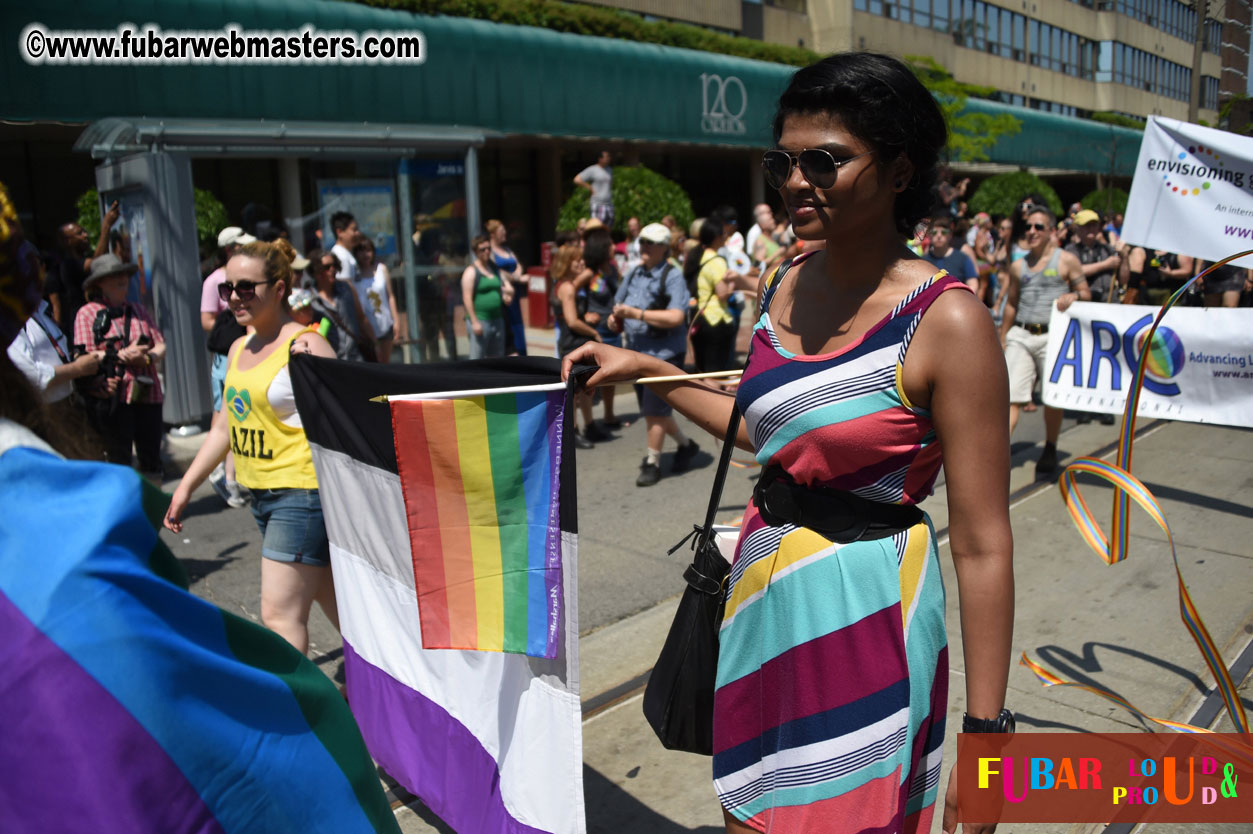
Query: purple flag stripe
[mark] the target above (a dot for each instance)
(419, 744)
(84, 756)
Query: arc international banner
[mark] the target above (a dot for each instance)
(1192, 193)
(1200, 366)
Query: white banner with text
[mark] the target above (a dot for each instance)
(1199, 368)
(1192, 193)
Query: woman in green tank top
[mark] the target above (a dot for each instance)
(485, 295)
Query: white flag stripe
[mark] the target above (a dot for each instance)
(353, 492)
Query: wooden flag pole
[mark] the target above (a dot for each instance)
(448, 395)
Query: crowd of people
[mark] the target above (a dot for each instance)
(1022, 264)
(860, 293)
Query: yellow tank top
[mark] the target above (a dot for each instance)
(269, 454)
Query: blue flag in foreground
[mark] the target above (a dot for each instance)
(133, 706)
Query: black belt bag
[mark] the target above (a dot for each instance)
(834, 514)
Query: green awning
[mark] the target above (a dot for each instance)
(478, 77)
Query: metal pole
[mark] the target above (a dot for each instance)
(403, 185)
(474, 220)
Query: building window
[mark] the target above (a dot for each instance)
(1213, 36)
(1209, 92)
(1123, 64)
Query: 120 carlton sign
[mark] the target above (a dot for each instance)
(723, 104)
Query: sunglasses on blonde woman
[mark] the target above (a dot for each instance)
(244, 290)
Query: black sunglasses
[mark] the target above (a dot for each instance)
(245, 290)
(817, 166)
(1039, 227)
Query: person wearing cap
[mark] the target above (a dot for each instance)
(125, 400)
(1102, 265)
(651, 308)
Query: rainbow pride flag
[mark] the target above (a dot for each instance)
(481, 482)
(134, 706)
(491, 741)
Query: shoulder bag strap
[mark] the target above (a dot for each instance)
(720, 477)
(704, 533)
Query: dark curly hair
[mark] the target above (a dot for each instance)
(880, 101)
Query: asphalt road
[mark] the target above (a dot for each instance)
(624, 530)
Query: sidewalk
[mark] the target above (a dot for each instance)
(1116, 626)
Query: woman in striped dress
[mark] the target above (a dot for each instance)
(833, 671)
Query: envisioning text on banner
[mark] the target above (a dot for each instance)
(1200, 366)
(1192, 192)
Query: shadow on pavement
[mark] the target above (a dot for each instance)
(198, 569)
(206, 505)
(611, 810)
(1183, 496)
(1026, 723)
(1071, 666)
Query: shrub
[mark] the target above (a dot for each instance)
(638, 192)
(210, 216)
(1002, 193)
(1107, 201)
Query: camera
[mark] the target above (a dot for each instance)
(661, 301)
(110, 364)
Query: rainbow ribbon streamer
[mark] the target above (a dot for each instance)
(1128, 488)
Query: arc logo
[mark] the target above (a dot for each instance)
(724, 101)
(1122, 352)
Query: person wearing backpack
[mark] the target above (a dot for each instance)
(486, 295)
(711, 281)
(651, 307)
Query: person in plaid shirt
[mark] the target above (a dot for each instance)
(125, 406)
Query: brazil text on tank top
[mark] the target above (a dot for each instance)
(1038, 290)
(269, 454)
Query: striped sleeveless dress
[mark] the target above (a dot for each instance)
(833, 669)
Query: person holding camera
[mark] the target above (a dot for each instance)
(651, 307)
(124, 396)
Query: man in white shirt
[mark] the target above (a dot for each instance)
(347, 235)
(40, 351)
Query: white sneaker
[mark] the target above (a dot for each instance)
(235, 495)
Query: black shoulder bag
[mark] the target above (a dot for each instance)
(679, 699)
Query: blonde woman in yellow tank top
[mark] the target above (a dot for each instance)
(259, 423)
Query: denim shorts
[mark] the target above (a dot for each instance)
(291, 525)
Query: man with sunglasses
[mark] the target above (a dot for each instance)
(1046, 277)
